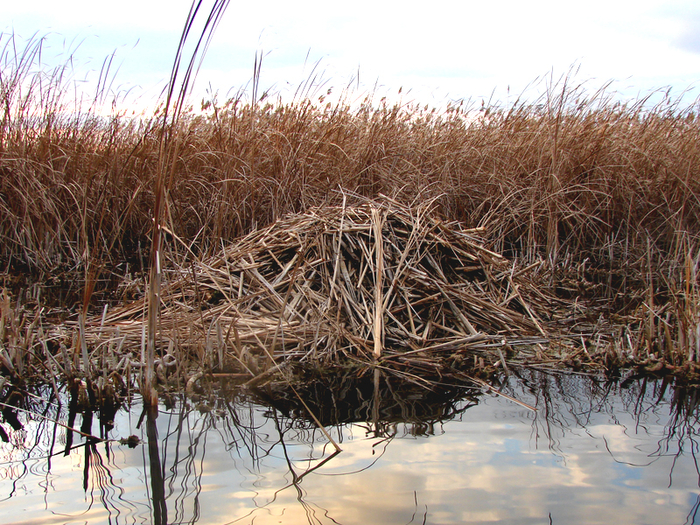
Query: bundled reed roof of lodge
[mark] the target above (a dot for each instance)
(374, 281)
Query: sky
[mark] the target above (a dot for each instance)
(427, 53)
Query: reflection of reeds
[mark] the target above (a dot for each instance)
(565, 402)
(36, 429)
(259, 430)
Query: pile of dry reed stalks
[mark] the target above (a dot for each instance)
(374, 281)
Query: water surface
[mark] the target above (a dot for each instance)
(591, 452)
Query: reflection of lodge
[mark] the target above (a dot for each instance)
(375, 397)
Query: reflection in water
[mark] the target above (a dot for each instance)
(160, 510)
(594, 452)
(381, 401)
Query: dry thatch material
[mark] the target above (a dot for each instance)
(375, 280)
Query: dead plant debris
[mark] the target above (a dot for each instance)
(379, 281)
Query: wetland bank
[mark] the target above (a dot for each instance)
(363, 249)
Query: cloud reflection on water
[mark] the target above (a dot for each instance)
(592, 453)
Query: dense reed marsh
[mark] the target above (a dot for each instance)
(593, 202)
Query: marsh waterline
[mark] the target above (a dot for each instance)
(593, 452)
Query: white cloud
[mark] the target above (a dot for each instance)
(451, 48)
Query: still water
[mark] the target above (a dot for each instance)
(592, 452)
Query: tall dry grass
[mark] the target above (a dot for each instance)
(607, 190)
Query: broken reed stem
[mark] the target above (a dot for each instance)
(148, 391)
(530, 314)
(87, 373)
(313, 416)
(378, 330)
(336, 265)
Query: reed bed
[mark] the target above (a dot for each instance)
(586, 210)
(568, 173)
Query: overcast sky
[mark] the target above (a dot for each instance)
(444, 50)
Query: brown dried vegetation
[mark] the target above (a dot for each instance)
(595, 204)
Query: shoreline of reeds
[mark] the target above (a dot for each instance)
(599, 199)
